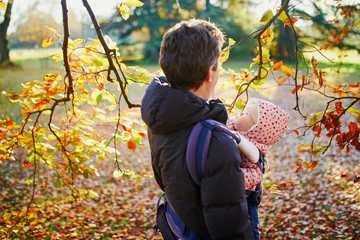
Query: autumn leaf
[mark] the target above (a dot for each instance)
(303, 16)
(288, 22)
(278, 65)
(289, 71)
(2, 5)
(358, 22)
(67, 181)
(124, 11)
(313, 165)
(266, 16)
(26, 164)
(47, 42)
(338, 107)
(282, 81)
(224, 55)
(52, 30)
(131, 145)
(267, 36)
(133, 3)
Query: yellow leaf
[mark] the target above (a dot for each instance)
(282, 81)
(224, 55)
(266, 16)
(52, 30)
(231, 41)
(2, 5)
(117, 174)
(267, 36)
(331, 218)
(287, 70)
(358, 22)
(133, 3)
(125, 11)
(62, 172)
(47, 42)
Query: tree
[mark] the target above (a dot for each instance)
(4, 44)
(31, 30)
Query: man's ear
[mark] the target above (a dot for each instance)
(209, 73)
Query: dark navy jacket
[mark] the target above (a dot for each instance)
(218, 206)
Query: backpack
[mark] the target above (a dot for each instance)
(167, 221)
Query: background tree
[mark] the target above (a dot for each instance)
(30, 28)
(155, 17)
(4, 43)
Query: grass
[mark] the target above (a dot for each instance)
(32, 64)
(25, 71)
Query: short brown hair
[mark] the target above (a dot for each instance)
(188, 50)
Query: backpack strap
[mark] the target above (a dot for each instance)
(198, 146)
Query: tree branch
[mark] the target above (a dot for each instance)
(108, 53)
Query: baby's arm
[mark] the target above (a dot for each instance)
(249, 149)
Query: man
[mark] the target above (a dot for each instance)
(189, 57)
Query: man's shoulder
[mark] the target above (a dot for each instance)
(223, 149)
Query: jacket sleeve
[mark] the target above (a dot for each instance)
(223, 191)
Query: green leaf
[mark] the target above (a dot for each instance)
(358, 22)
(283, 16)
(93, 194)
(39, 201)
(97, 62)
(29, 181)
(266, 16)
(98, 98)
(58, 183)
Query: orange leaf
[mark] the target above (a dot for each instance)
(278, 65)
(26, 164)
(294, 90)
(287, 21)
(290, 183)
(313, 164)
(303, 150)
(125, 128)
(91, 213)
(67, 180)
(131, 145)
(296, 169)
(305, 164)
(62, 165)
(296, 131)
(282, 185)
(142, 134)
(47, 42)
(303, 16)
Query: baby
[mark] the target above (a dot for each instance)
(262, 123)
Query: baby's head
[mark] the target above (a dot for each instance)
(262, 122)
(248, 118)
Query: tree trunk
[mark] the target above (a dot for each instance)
(4, 43)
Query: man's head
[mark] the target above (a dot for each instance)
(188, 50)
